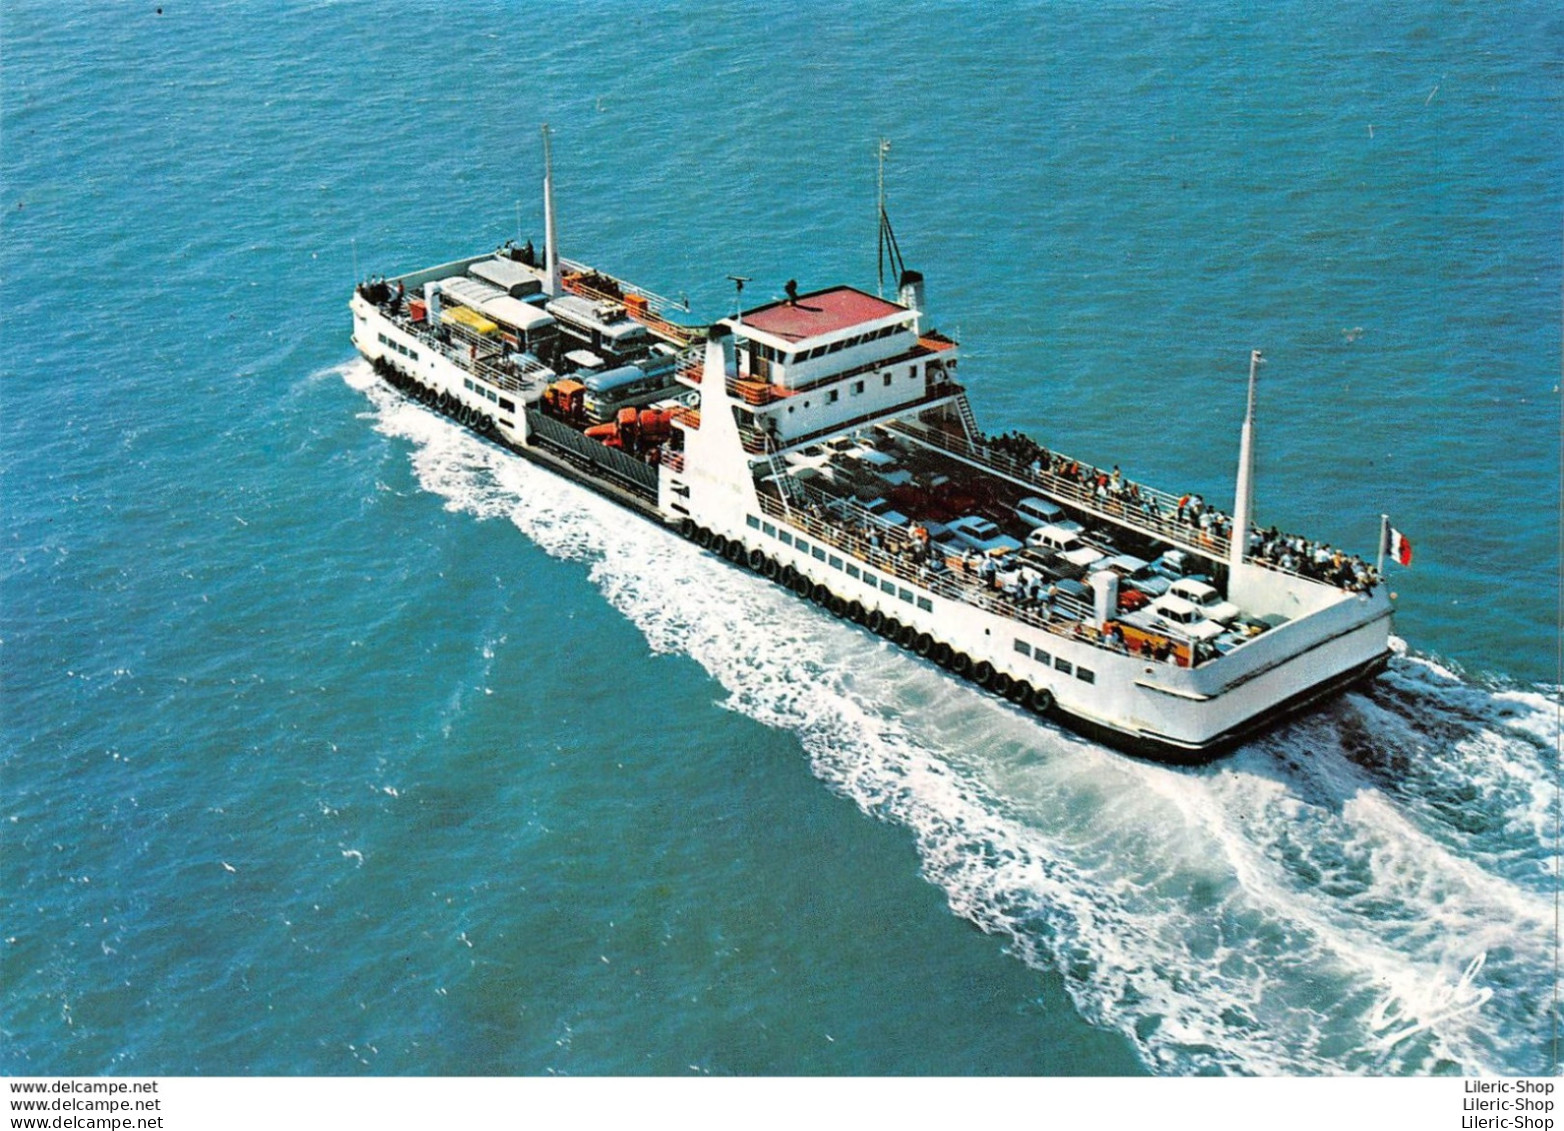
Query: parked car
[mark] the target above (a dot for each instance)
(978, 533)
(1228, 641)
(1149, 581)
(1074, 591)
(1125, 565)
(1178, 616)
(1175, 564)
(1066, 543)
(885, 511)
(1132, 599)
(1205, 598)
(1049, 564)
(1037, 512)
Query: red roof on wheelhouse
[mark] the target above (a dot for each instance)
(819, 313)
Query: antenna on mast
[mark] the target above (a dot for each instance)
(738, 295)
(889, 249)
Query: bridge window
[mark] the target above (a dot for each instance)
(1023, 647)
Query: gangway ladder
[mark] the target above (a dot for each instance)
(786, 489)
(968, 421)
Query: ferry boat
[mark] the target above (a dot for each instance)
(825, 442)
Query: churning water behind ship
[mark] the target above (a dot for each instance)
(1364, 890)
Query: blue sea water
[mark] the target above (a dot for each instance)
(337, 741)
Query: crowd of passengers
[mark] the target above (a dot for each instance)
(1318, 561)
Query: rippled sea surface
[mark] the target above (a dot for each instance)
(338, 741)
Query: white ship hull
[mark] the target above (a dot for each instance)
(763, 392)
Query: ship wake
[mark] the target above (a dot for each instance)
(1369, 889)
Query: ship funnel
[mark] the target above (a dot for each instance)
(718, 362)
(1243, 500)
(910, 290)
(550, 228)
(432, 302)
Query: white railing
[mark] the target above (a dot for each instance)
(1147, 511)
(1063, 616)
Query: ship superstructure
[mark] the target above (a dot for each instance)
(824, 441)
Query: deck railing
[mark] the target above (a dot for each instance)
(1154, 513)
(1063, 616)
(475, 353)
(646, 307)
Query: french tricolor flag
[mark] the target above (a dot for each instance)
(1398, 545)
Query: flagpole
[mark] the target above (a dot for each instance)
(1384, 536)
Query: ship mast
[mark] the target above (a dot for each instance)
(889, 249)
(550, 229)
(1243, 501)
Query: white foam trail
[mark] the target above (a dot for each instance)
(1359, 892)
